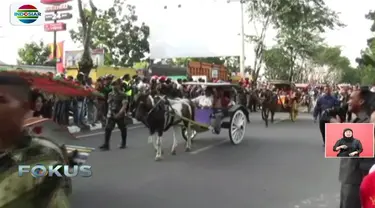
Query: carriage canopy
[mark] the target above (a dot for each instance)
(280, 84)
(302, 85)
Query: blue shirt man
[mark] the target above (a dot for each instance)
(325, 102)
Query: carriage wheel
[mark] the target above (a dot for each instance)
(184, 133)
(237, 128)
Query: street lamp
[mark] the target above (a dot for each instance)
(242, 56)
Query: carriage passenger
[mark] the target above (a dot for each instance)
(204, 101)
(221, 102)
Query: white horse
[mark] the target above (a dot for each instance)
(159, 114)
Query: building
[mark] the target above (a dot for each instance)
(73, 57)
(167, 70)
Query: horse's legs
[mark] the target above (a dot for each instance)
(265, 112)
(158, 147)
(272, 116)
(152, 138)
(175, 143)
(188, 140)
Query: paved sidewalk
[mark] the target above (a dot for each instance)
(75, 129)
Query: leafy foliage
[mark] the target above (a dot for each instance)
(366, 63)
(299, 24)
(34, 53)
(277, 64)
(260, 13)
(337, 66)
(116, 31)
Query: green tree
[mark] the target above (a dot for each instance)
(366, 62)
(260, 13)
(337, 66)
(277, 64)
(300, 24)
(34, 54)
(232, 63)
(116, 30)
(351, 75)
(368, 54)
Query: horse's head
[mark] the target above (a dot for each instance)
(160, 104)
(143, 104)
(147, 104)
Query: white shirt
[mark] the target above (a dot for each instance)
(203, 101)
(372, 89)
(179, 86)
(142, 86)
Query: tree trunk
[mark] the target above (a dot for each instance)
(86, 63)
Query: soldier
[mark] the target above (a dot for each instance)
(17, 148)
(117, 104)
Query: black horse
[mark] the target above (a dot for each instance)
(269, 105)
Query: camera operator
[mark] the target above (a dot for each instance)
(325, 102)
(352, 170)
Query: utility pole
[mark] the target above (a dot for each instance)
(242, 34)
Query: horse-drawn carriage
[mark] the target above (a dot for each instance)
(235, 117)
(305, 97)
(288, 100)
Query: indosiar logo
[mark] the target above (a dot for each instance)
(39, 171)
(27, 14)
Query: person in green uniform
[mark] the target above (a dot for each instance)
(117, 104)
(17, 147)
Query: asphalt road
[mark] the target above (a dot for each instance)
(282, 166)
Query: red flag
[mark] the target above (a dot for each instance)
(367, 191)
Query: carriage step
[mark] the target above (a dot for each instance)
(225, 125)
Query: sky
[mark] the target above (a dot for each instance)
(193, 28)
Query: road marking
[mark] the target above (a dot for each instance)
(207, 147)
(102, 132)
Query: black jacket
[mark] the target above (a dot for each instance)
(352, 145)
(352, 170)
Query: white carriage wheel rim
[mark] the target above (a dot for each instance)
(238, 127)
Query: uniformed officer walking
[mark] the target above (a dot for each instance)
(117, 104)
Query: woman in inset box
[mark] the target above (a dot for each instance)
(348, 146)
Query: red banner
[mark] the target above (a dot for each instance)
(51, 27)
